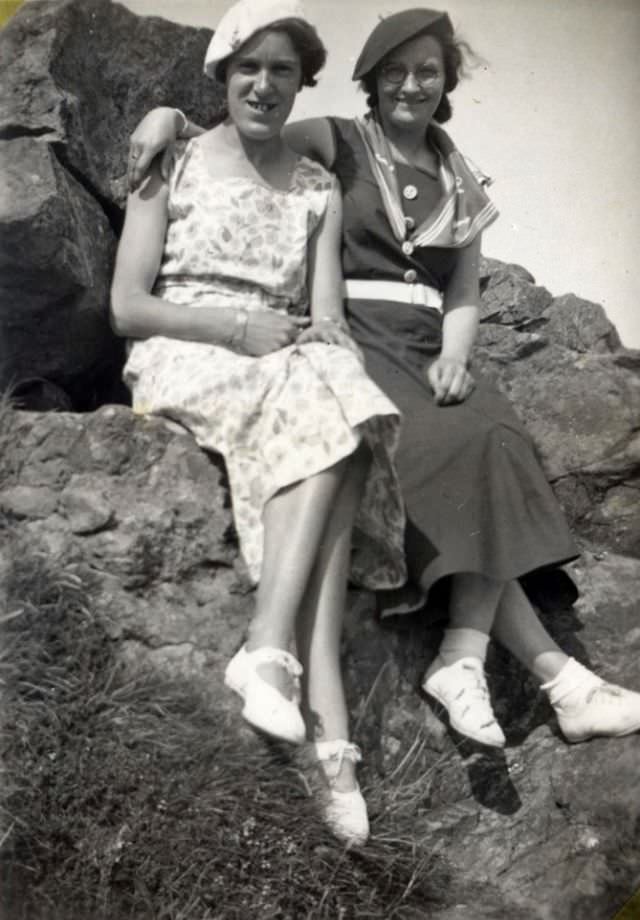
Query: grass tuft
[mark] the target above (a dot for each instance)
(132, 799)
(7, 415)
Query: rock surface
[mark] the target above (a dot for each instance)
(57, 258)
(77, 76)
(142, 515)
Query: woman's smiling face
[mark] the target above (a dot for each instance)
(410, 82)
(263, 78)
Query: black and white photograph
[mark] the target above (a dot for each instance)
(319, 460)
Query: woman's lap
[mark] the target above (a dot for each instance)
(477, 499)
(277, 420)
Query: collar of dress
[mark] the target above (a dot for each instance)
(464, 208)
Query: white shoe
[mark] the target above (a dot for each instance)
(344, 812)
(586, 706)
(264, 706)
(462, 689)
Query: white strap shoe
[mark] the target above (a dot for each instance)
(587, 707)
(344, 812)
(462, 689)
(265, 707)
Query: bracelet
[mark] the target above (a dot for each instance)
(185, 121)
(336, 321)
(239, 331)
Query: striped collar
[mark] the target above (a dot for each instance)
(464, 209)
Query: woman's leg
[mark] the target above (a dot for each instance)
(518, 627)
(585, 705)
(319, 624)
(263, 672)
(480, 605)
(473, 605)
(319, 630)
(456, 676)
(294, 523)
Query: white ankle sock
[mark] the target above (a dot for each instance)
(463, 642)
(571, 684)
(456, 644)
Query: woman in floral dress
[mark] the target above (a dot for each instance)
(217, 272)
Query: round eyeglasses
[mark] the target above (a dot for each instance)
(425, 75)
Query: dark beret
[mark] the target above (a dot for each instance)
(395, 30)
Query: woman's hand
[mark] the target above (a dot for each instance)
(331, 332)
(268, 331)
(156, 133)
(450, 380)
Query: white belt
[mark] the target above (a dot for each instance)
(400, 291)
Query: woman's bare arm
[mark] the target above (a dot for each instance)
(324, 265)
(154, 135)
(137, 313)
(324, 278)
(312, 138)
(449, 374)
(160, 127)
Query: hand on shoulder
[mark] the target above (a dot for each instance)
(155, 134)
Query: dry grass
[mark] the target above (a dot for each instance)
(132, 800)
(6, 423)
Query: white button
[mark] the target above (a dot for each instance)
(410, 275)
(410, 192)
(410, 223)
(407, 247)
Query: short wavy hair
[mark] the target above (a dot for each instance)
(455, 53)
(307, 45)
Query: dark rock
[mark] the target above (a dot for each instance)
(28, 501)
(40, 396)
(582, 412)
(81, 74)
(77, 76)
(503, 344)
(580, 325)
(56, 262)
(86, 508)
(629, 358)
(580, 409)
(489, 267)
(509, 296)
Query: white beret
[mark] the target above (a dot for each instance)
(243, 20)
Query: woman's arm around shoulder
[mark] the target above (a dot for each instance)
(153, 135)
(313, 138)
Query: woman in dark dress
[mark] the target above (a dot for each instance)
(479, 508)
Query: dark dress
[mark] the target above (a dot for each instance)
(477, 499)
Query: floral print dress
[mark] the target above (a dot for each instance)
(284, 416)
